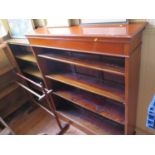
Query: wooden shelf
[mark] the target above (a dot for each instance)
(27, 57)
(89, 84)
(95, 104)
(97, 65)
(89, 122)
(34, 72)
(5, 92)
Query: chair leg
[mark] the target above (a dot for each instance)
(6, 126)
(64, 129)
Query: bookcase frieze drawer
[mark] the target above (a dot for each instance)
(81, 45)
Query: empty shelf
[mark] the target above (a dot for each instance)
(100, 106)
(93, 64)
(27, 57)
(90, 122)
(89, 84)
(34, 72)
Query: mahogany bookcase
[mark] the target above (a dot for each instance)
(93, 72)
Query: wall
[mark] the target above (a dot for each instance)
(147, 76)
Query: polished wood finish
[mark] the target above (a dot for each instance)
(93, 103)
(132, 82)
(101, 39)
(107, 31)
(29, 69)
(97, 65)
(88, 122)
(32, 71)
(119, 41)
(91, 85)
(87, 66)
(24, 57)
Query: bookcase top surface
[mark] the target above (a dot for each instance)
(107, 31)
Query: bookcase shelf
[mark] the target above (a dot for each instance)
(95, 104)
(27, 57)
(97, 65)
(91, 85)
(89, 122)
(33, 72)
(26, 61)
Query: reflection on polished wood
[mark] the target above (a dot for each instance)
(115, 31)
(112, 40)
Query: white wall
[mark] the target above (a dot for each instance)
(147, 76)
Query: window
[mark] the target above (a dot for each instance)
(19, 27)
(3, 32)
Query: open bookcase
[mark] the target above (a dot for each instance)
(25, 60)
(88, 89)
(93, 72)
